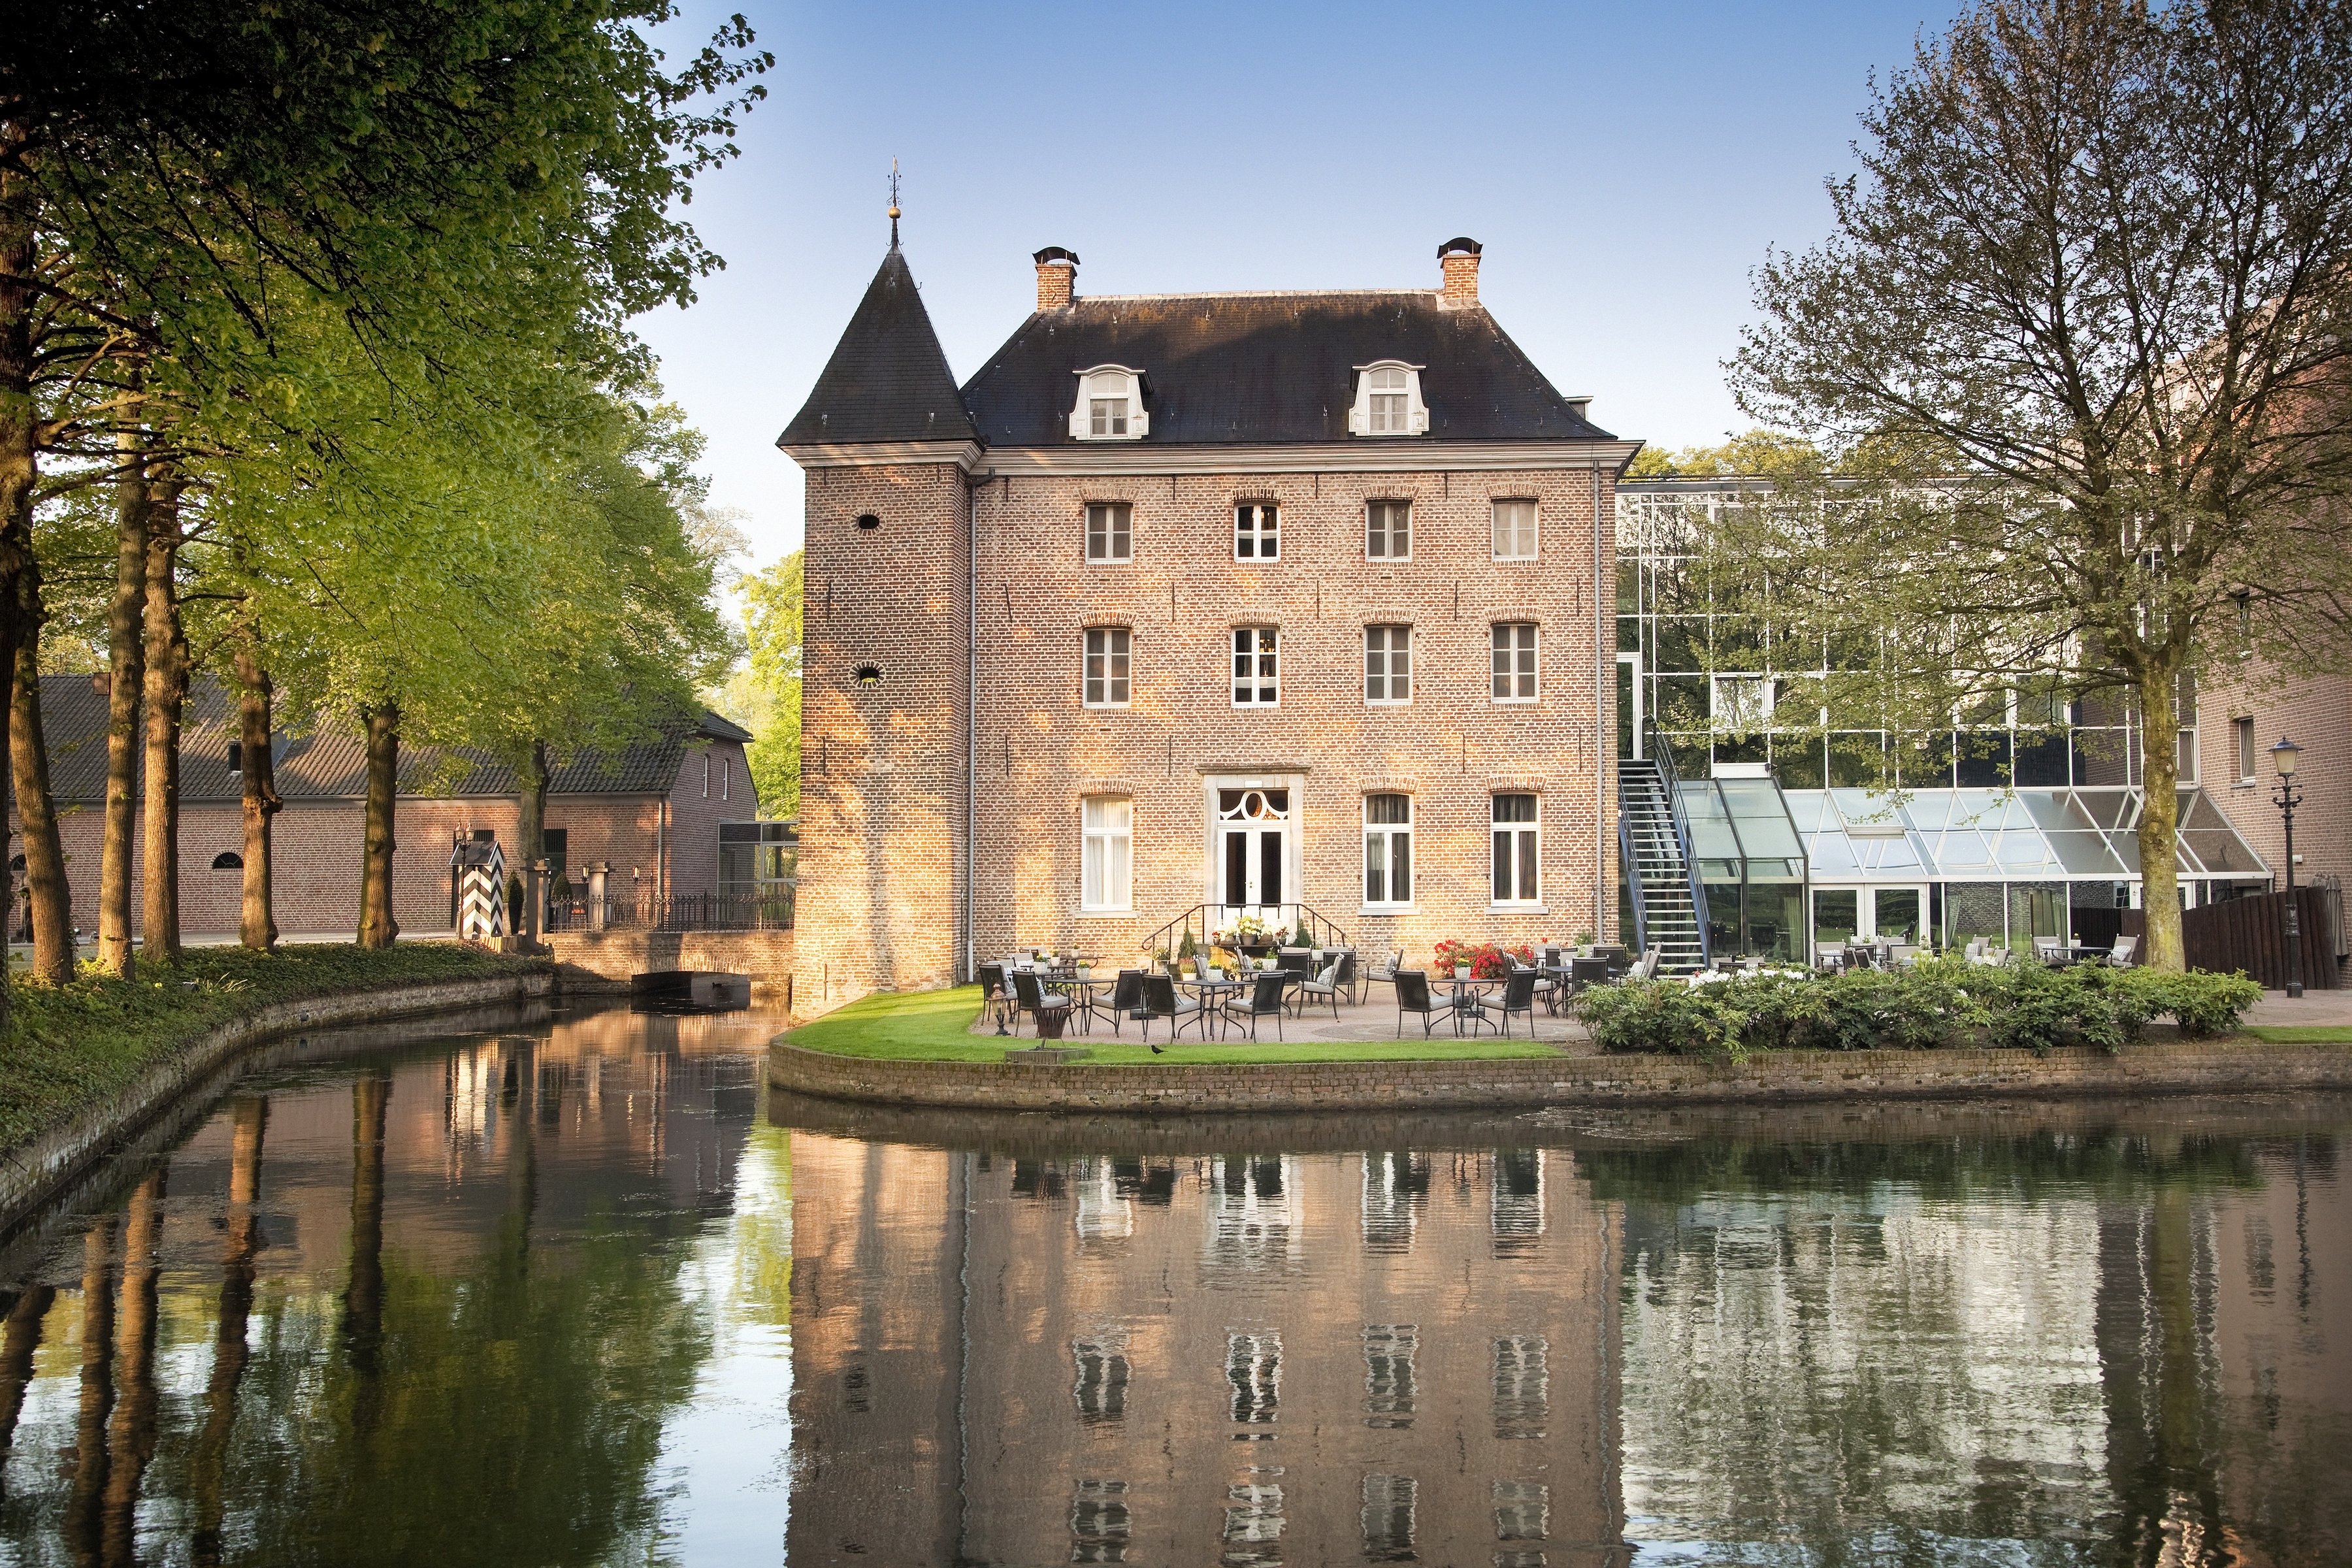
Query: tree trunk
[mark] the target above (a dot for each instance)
(166, 689)
(127, 664)
(2159, 819)
(532, 789)
(36, 813)
(377, 927)
(256, 921)
(19, 463)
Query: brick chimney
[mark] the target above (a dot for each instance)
(1057, 278)
(1457, 260)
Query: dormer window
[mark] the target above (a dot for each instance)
(1388, 401)
(1109, 405)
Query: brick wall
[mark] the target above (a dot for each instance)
(882, 765)
(1452, 748)
(315, 849)
(2316, 712)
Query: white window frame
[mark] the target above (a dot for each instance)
(1533, 519)
(1110, 383)
(1114, 647)
(1259, 524)
(1117, 533)
(1741, 704)
(1388, 835)
(2241, 742)
(1263, 647)
(1524, 850)
(1387, 536)
(1416, 411)
(1503, 662)
(1396, 642)
(1107, 855)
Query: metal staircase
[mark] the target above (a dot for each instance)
(1661, 873)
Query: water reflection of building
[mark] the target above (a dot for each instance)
(1241, 1360)
(2112, 1333)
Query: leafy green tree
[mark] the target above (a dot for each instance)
(177, 182)
(773, 602)
(2100, 255)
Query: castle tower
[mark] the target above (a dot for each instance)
(886, 442)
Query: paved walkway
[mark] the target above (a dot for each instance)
(2315, 1007)
(1376, 1019)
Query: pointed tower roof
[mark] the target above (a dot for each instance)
(888, 378)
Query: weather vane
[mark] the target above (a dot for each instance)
(894, 203)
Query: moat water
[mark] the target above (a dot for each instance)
(584, 1292)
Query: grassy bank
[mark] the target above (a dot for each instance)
(73, 1047)
(933, 1026)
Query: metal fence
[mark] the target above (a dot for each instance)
(770, 910)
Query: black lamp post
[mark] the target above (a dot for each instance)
(2284, 756)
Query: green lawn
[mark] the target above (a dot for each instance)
(931, 1026)
(2300, 1034)
(72, 1046)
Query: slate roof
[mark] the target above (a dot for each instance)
(888, 378)
(333, 763)
(1269, 369)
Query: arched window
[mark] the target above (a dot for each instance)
(228, 860)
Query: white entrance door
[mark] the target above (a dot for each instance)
(1628, 705)
(1870, 914)
(1251, 844)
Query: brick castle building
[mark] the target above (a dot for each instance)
(1285, 606)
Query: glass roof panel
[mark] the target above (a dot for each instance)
(1764, 828)
(2107, 807)
(1710, 826)
(2085, 854)
(1862, 809)
(1832, 855)
(2025, 852)
(1961, 850)
(1891, 856)
(2054, 810)
(2215, 840)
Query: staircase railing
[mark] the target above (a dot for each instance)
(1630, 859)
(1307, 927)
(1662, 755)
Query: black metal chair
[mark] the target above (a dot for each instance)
(1162, 1000)
(1320, 989)
(1518, 996)
(1384, 972)
(1295, 961)
(992, 992)
(1412, 996)
(1126, 995)
(1040, 1004)
(1264, 1001)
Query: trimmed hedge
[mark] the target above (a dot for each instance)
(1927, 1006)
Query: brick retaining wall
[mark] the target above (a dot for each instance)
(2185, 1066)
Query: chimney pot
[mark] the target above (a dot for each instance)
(1057, 278)
(1457, 262)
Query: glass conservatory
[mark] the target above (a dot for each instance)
(1784, 869)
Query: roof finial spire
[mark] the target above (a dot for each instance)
(894, 203)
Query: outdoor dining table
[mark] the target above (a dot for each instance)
(1468, 996)
(1081, 989)
(1210, 991)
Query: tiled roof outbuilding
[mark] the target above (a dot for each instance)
(333, 763)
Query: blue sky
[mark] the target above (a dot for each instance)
(1624, 167)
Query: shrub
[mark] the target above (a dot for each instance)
(1666, 1017)
(2202, 1003)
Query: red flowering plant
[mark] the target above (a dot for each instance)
(1486, 960)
